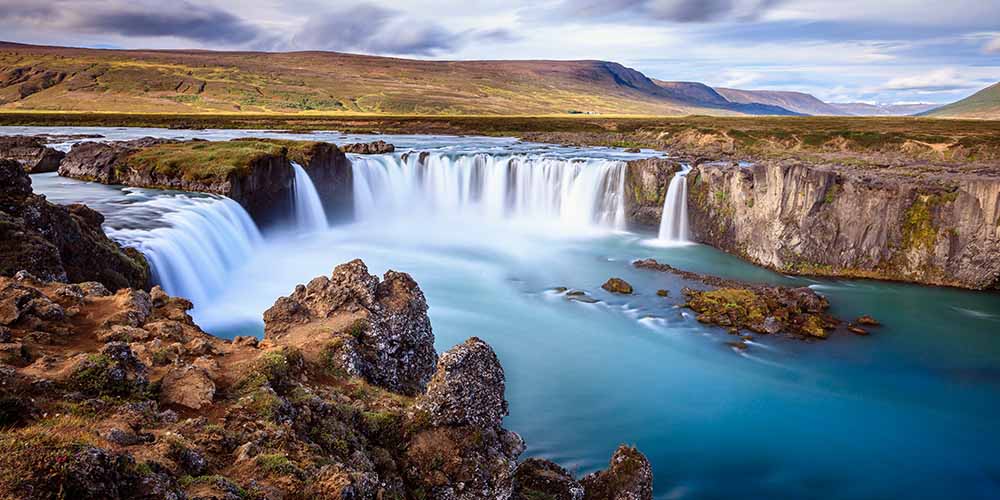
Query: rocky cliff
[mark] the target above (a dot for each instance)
(59, 243)
(122, 396)
(256, 173)
(646, 183)
(822, 220)
(31, 153)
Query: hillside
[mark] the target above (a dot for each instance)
(798, 102)
(865, 109)
(701, 95)
(195, 81)
(984, 104)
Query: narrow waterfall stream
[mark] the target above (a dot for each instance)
(309, 212)
(674, 222)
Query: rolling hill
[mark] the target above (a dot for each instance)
(186, 81)
(797, 102)
(984, 104)
(865, 109)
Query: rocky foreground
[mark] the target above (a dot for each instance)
(122, 396)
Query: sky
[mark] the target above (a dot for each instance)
(885, 51)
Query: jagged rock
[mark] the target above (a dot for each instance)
(867, 321)
(617, 285)
(59, 243)
(382, 326)
(188, 386)
(463, 463)
(115, 371)
(31, 152)
(628, 477)
(369, 148)
(536, 478)
(136, 306)
(96, 473)
(467, 388)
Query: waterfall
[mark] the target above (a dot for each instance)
(674, 221)
(572, 192)
(201, 240)
(309, 212)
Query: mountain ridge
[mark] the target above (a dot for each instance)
(984, 104)
(50, 78)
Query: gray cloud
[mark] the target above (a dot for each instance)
(372, 29)
(679, 11)
(140, 18)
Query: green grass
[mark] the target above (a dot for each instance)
(203, 160)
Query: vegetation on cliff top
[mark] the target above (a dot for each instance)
(203, 160)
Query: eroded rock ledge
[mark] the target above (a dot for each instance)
(256, 173)
(59, 243)
(123, 396)
(31, 153)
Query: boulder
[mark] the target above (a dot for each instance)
(31, 152)
(369, 148)
(59, 243)
(628, 477)
(467, 388)
(187, 386)
(617, 285)
(536, 478)
(379, 329)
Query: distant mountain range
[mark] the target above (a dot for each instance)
(865, 109)
(198, 81)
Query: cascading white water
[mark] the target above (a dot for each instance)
(571, 192)
(674, 221)
(203, 240)
(309, 212)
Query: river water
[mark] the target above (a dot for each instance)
(906, 412)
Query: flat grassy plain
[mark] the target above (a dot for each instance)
(877, 140)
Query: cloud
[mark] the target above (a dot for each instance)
(679, 11)
(371, 29)
(139, 18)
(943, 80)
(993, 46)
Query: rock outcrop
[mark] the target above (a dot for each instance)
(762, 309)
(31, 152)
(646, 183)
(59, 243)
(256, 173)
(537, 478)
(628, 477)
(98, 161)
(369, 148)
(123, 396)
(375, 329)
(807, 219)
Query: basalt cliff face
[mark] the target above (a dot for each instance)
(60, 243)
(256, 173)
(823, 220)
(646, 183)
(123, 396)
